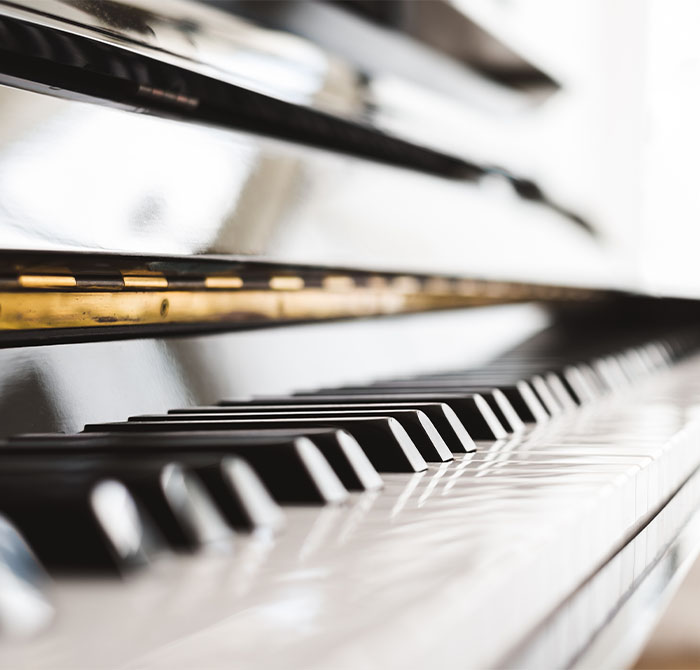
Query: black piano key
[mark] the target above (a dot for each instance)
(560, 391)
(209, 447)
(384, 440)
(559, 381)
(420, 429)
(73, 525)
(173, 497)
(341, 450)
(503, 410)
(498, 402)
(25, 605)
(241, 495)
(292, 468)
(557, 384)
(545, 395)
(441, 416)
(533, 402)
(347, 458)
(295, 472)
(179, 505)
(579, 387)
(471, 409)
(548, 393)
(522, 400)
(520, 397)
(229, 482)
(518, 393)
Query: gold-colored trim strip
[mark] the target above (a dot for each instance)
(35, 302)
(223, 282)
(31, 310)
(284, 283)
(145, 281)
(46, 281)
(338, 283)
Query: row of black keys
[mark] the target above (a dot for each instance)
(113, 495)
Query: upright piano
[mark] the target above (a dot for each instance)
(300, 367)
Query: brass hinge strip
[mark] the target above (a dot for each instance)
(63, 301)
(40, 310)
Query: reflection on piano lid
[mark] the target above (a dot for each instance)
(278, 200)
(459, 47)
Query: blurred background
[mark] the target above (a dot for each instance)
(608, 124)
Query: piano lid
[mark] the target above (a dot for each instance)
(173, 128)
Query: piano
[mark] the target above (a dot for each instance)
(308, 362)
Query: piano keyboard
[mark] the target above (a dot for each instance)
(328, 528)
